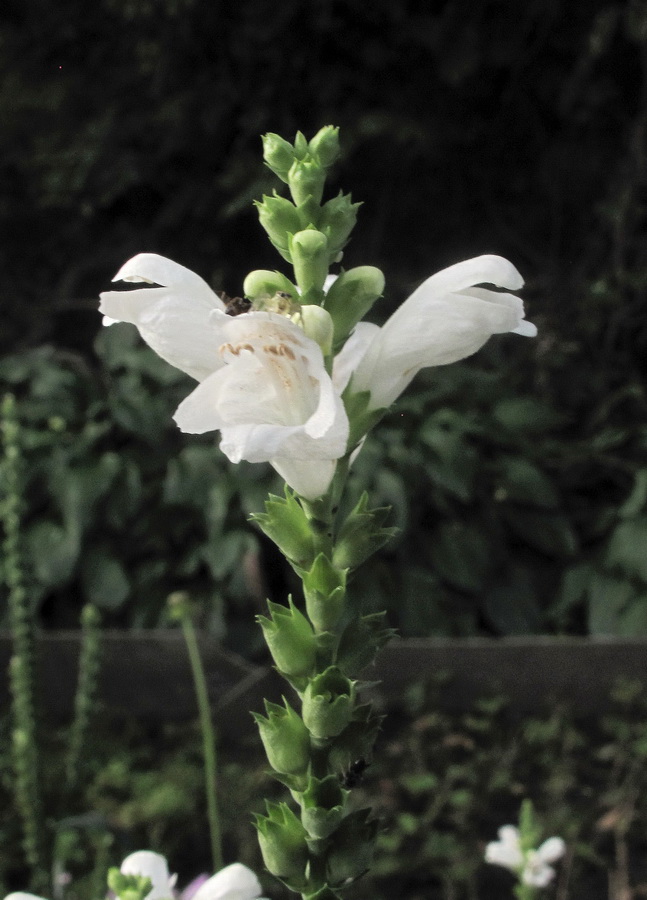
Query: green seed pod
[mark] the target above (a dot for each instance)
(328, 703)
(285, 738)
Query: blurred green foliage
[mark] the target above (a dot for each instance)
(518, 480)
(445, 782)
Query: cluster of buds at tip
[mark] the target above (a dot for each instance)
(311, 235)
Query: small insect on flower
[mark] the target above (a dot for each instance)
(281, 302)
(355, 774)
(235, 306)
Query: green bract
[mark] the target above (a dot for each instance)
(290, 638)
(324, 587)
(282, 839)
(285, 738)
(328, 703)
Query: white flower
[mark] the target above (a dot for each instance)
(532, 868)
(234, 882)
(446, 319)
(154, 866)
(263, 382)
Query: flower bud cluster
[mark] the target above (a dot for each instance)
(311, 235)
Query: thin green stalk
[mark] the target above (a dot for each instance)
(26, 763)
(181, 607)
(86, 692)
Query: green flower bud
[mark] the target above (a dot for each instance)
(351, 296)
(278, 155)
(309, 254)
(285, 738)
(361, 535)
(290, 638)
(317, 324)
(328, 703)
(351, 851)
(322, 806)
(324, 587)
(262, 283)
(282, 839)
(300, 145)
(280, 220)
(306, 179)
(324, 146)
(128, 887)
(337, 220)
(285, 523)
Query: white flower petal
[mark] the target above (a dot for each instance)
(551, 850)
(272, 400)
(154, 866)
(309, 478)
(23, 895)
(154, 269)
(536, 873)
(506, 851)
(234, 882)
(175, 320)
(446, 319)
(349, 357)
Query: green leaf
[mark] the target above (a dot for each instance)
(627, 548)
(54, 551)
(511, 605)
(608, 597)
(105, 583)
(461, 555)
(521, 481)
(551, 533)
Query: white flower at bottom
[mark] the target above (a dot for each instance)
(154, 866)
(234, 882)
(532, 868)
(263, 382)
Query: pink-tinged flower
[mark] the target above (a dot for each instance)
(532, 867)
(449, 317)
(263, 382)
(234, 882)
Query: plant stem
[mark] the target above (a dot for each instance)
(26, 764)
(208, 737)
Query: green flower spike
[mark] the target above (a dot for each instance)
(285, 738)
(290, 639)
(328, 703)
(282, 839)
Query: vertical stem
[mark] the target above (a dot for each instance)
(26, 764)
(85, 698)
(208, 736)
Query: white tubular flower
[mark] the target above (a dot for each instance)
(263, 382)
(234, 882)
(537, 870)
(154, 866)
(506, 851)
(533, 867)
(446, 319)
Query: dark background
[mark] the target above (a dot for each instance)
(467, 128)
